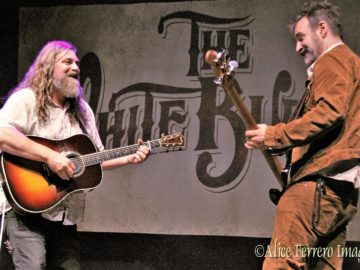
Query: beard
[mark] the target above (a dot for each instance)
(312, 52)
(309, 58)
(310, 55)
(68, 86)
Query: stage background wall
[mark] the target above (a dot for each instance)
(143, 74)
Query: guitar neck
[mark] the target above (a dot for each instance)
(99, 157)
(223, 69)
(274, 163)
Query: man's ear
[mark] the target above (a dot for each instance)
(323, 28)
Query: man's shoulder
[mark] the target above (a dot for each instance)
(86, 106)
(343, 52)
(341, 57)
(25, 94)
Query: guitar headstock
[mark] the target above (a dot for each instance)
(221, 65)
(172, 140)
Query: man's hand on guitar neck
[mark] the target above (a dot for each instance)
(141, 154)
(255, 138)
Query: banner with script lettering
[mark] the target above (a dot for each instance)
(144, 74)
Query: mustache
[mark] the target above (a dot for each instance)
(74, 75)
(303, 51)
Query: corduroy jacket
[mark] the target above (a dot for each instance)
(325, 138)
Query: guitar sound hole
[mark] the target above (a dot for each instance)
(79, 166)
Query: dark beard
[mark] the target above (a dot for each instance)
(68, 86)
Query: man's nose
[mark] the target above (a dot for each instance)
(299, 47)
(75, 67)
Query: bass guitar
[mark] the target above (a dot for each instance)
(31, 187)
(223, 68)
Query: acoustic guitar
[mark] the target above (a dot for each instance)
(31, 187)
(223, 69)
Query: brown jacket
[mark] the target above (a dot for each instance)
(325, 138)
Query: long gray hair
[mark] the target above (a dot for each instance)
(39, 78)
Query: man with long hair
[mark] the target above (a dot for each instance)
(324, 139)
(48, 103)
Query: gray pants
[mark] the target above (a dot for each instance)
(37, 243)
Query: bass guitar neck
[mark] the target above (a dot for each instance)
(223, 69)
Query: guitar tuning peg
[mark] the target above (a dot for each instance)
(233, 64)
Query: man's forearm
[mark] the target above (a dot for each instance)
(16, 143)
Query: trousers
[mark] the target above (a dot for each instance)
(310, 225)
(36, 243)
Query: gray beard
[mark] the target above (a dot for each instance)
(69, 87)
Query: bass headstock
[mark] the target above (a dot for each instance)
(221, 65)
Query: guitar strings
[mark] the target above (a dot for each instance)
(98, 157)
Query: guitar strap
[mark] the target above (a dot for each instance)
(301, 104)
(275, 194)
(81, 124)
(297, 112)
(83, 128)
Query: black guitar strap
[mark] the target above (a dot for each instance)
(301, 104)
(81, 124)
(297, 112)
(275, 194)
(83, 128)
